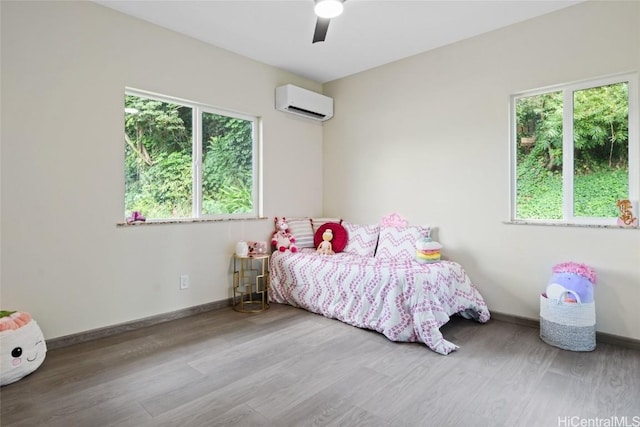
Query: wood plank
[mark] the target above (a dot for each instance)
(289, 367)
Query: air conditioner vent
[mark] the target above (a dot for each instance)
(292, 108)
(303, 102)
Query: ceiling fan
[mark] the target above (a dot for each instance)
(325, 10)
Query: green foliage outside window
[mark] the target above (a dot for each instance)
(159, 161)
(600, 150)
(227, 165)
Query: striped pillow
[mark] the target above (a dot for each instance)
(302, 231)
(362, 238)
(400, 242)
(319, 222)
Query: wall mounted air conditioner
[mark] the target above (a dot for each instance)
(295, 100)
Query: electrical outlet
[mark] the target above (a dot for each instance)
(184, 281)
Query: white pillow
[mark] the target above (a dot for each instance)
(400, 242)
(362, 239)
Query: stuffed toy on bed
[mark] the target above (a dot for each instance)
(282, 238)
(427, 251)
(22, 346)
(325, 247)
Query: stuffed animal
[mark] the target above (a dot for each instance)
(573, 282)
(22, 346)
(325, 247)
(427, 251)
(626, 218)
(282, 238)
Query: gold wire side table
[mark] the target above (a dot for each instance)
(250, 283)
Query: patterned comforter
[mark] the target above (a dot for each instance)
(402, 299)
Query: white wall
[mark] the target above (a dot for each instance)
(65, 66)
(428, 137)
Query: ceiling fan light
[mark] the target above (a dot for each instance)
(328, 8)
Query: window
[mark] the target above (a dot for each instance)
(186, 160)
(575, 151)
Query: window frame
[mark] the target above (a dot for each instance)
(568, 90)
(197, 110)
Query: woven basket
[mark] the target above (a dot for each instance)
(570, 326)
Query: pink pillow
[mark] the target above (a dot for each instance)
(339, 240)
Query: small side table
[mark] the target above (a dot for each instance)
(250, 285)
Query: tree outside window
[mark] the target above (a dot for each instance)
(572, 147)
(186, 160)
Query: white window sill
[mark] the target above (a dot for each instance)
(566, 224)
(183, 221)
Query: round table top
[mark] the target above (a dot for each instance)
(251, 256)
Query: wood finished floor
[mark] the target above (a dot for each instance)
(288, 367)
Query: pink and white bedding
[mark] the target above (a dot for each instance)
(400, 298)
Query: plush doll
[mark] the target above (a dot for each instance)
(574, 277)
(626, 218)
(325, 247)
(282, 238)
(427, 251)
(22, 346)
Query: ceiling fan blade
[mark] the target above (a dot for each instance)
(322, 25)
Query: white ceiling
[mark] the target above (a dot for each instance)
(369, 33)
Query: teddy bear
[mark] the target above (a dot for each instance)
(282, 238)
(325, 247)
(626, 217)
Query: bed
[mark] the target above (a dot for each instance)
(403, 299)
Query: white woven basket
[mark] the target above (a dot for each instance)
(570, 326)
